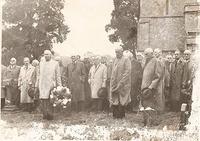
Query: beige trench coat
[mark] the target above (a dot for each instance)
(121, 80)
(49, 77)
(97, 79)
(26, 81)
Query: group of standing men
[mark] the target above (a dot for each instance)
(166, 83)
(125, 83)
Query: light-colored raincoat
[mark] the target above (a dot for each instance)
(49, 77)
(97, 78)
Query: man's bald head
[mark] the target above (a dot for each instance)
(13, 61)
(26, 61)
(119, 52)
(47, 52)
(35, 63)
(148, 53)
(47, 55)
(58, 58)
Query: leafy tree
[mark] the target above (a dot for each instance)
(31, 26)
(124, 23)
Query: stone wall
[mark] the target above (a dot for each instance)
(192, 25)
(162, 24)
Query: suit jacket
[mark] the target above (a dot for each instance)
(11, 75)
(176, 79)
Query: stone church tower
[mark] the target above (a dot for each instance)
(168, 24)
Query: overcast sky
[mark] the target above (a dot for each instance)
(87, 20)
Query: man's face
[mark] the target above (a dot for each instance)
(26, 61)
(157, 53)
(47, 56)
(148, 55)
(177, 55)
(169, 58)
(187, 56)
(12, 61)
(97, 61)
(119, 53)
(73, 59)
(78, 57)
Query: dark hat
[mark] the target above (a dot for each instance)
(31, 92)
(102, 93)
(147, 93)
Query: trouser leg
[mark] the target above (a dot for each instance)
(30, 107)
(49, 110)
(17, 98)
(115, 111)
(94, 106)
(2, 102)
(100, 103)
(118, 111)
(121, 111)
(75, 106)
(14, 94)
(105, 105)
(81, 106)
(9, 94)
(43, 108)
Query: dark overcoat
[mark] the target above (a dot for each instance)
(176, 79)
(75, 74)
(136, 79)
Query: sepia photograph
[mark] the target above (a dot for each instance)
(100, 70)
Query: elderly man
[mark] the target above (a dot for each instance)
(97, 80)
(187, 87)
(26, 81)
(176, 79)
(188, 75)
(35, 63)
(120, 84)
(75, 74)
(136, 81)
(62, 69)
(49, 77)
(150, 88)
(11, 82)
(168, 65)
(87, 65)
(164, 74)
(78, 57)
